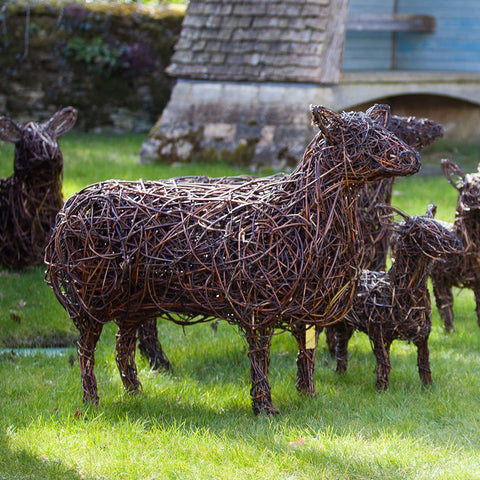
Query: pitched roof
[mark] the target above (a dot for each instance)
(261, 40)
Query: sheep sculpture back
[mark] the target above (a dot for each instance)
(462, 270)
(396, 304)
(32, 196)
(260, 254)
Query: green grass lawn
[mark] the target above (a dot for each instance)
(197, 422)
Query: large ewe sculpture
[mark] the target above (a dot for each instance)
(462, 270)
(396, 304)
(260, 254)
(32, 196)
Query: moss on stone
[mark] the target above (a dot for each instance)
(124, 69)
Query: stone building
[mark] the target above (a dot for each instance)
(247, 70)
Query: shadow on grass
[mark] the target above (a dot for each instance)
(20, 464)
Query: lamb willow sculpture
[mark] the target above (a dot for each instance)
(462, 270)
(32, 196)
(261, 254)
(396, 304)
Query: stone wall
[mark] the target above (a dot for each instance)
(258, 124)
(108, 62)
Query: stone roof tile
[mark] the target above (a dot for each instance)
(261, 40)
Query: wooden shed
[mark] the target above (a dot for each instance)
(248, 69)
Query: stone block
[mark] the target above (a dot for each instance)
(241, 93)
(203, 92)
(272, 93)
(219, 132)
(149, 150)
(250, 130)
(267, 135)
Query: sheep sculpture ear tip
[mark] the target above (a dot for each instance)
(431, 210)
(322, 115)
(9, 130)
(381, 113)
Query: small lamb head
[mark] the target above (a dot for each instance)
(423, 235)
(361, 144)
(36, 144)
(467, 185)
(415, 132)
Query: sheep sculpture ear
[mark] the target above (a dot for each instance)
(326, 120)
(62, 121)
(455, 175)
(431, 211)
(380, 113)
(9, 130)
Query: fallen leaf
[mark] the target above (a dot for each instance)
(299, 442)
(15, 317)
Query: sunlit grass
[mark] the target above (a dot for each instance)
(197, 423)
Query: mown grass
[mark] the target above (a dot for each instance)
(197, 423)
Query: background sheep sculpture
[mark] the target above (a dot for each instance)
(32, 196)
(396, 304)
(260, 255)
(462, 270)
(417, 133)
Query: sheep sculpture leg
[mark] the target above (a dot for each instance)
(423, 361)
(86, 344)
(305, 359)
(444, 302)
(259, 354)
(125, 356)
(381, 350)
(476, 291)
(149, 346)
(339, 338)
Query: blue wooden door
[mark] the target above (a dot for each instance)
(454, 45)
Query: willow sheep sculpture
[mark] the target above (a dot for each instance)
(396, 304)
(32, 196)
(462, 270)
(260, 255)
(415, 132)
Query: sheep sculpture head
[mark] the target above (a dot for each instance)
(416, 132)
(467, 185)
(422, 235)
(36, 146)
(361, 144)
